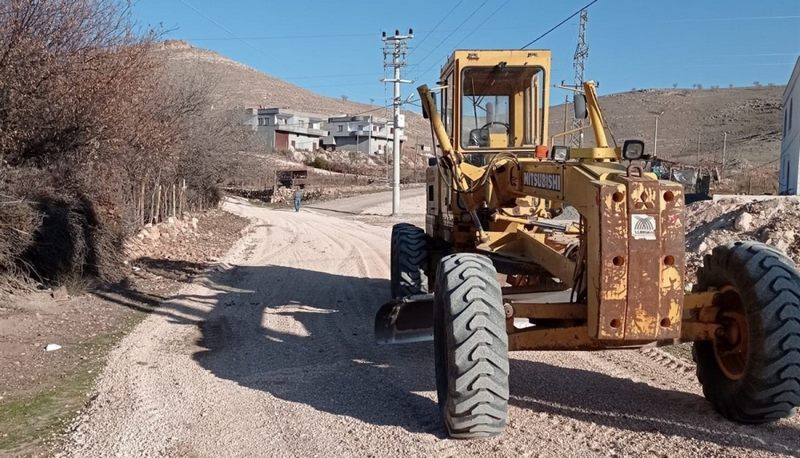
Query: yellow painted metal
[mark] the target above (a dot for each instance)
(535, 58)
(594, 153)
(633, 289)
(699, 316)
(693, 303)
(550, 259)
(426, 98)
(565, 311)
(570, 338)
(595, 114)
(498, 140)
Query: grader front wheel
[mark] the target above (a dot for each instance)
(409, 257)
(750, 372)
(471, 347)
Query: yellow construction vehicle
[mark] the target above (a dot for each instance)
(532, 246)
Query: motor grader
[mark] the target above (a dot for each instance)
(529, 245)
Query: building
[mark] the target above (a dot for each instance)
(363, 134)
(790, 145)
(288, 130)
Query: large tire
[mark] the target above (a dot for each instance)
(409, 258)
(758, 381)
(471, 347)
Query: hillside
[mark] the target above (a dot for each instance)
(236, 85)
(751, 116)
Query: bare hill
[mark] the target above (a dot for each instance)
(236, 85)
(751, 116)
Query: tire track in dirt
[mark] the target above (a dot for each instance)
(274, 355)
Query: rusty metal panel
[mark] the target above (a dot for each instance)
(673, 264)
(612, 290)
(644, 253)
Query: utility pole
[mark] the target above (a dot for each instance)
(655, 140)
(566, 106)
(698, 148)
(579, 64)
(724, 148)
(395, 50)
(655, 132)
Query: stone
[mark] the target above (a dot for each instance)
(52, 347)
(154, 233)
(744, 222)
(60, 294)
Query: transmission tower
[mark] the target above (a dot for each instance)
(579, 64)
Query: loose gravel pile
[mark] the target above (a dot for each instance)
(709, 224)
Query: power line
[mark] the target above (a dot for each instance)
(470, 33)
(723, 19)
(474, 12)
(419, 44)
(340, 75)
(482, 23)
(560, 23)
(207, 18)
(428, 32)
(284, 37)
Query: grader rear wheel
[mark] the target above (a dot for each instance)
(409, 258)
(751, 371)
(471, 347)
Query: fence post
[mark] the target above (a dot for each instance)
(141, 205)
(153, 206)
(183, 196)
(158, 203)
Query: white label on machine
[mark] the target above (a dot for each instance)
(643, 227)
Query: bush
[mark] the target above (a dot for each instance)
(106, 130)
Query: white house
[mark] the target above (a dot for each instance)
(790, 145)
(363, 134)
(288, 130)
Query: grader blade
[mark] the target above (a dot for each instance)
(405, 320)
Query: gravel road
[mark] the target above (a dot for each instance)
(272, 354)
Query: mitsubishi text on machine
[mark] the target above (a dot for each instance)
(549, 181)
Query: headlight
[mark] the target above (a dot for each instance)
(633, 150)
(560, 153)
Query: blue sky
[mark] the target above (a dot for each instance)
(334, 47)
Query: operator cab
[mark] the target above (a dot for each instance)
(495, 101)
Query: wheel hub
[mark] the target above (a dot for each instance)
(731, 343)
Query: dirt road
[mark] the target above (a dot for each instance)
(273, 355)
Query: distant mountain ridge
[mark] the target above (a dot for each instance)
(238, 86)
(752, 116)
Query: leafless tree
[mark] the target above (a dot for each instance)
(90, 113)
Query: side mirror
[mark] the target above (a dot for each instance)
(579, 104)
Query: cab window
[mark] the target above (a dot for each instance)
(501, 107)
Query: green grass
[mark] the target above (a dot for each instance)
(30, 422)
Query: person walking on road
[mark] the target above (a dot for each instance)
(298, 197)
